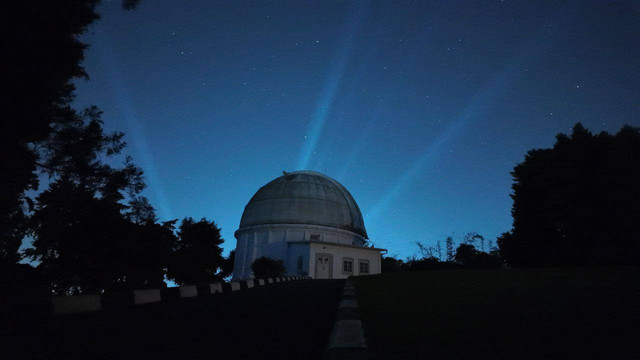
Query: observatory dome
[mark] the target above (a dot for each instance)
(304, 197)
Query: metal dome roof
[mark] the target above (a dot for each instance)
(304, 197)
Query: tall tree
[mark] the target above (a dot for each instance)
(40, 60)
(148, 253)
(578, 202)
(42, 55)
(78, 238)
(197, 256)
(83, 239)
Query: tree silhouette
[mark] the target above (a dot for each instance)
(391, 264)
(80, 230)
(468, 256)
(578, 202)
(425, 251)
(465, 254)
(472, 237)
(148, 252)
(449, 245)
(439, 249)
(197, 255)
(264, 267)
(77, 238)
(227, 266)
(42, 55)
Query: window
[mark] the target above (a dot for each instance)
(347, 266)
(315, 237)
(364, 266)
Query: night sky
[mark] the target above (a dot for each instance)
(420, 109)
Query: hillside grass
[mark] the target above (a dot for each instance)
(577, 313)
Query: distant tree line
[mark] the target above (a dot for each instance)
(92, 230)
(464, 256)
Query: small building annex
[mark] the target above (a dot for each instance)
(310, 222)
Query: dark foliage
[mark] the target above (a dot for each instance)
(83, 239)
(265, 267)
(148, 253)
(23, 289)
(474, 238)
(427, 263)
(449, 245)
(81, 236)
(464, 253)
(577, 203)
(227, 265)
(41, 53)
(41, 58)
(197, 256)
(391, 264)
(85, 244)
(467, 256)
(85, 236)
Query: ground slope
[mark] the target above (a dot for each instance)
(281, 321)
(500, 314)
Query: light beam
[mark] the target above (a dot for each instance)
(323, 108)
(134, 129)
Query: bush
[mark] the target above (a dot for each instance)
(427, 263)
(467, 256)
(391, 264)
(265, 267)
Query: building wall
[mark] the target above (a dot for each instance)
(275, 242)
(295, 251)
(252, 245)
(341, 252)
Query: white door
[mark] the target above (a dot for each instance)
(323, 264)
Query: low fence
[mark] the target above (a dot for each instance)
(86, 303)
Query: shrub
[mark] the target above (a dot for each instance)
(467, 256)
(391, 264)
(265, 267)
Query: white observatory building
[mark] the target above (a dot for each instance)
(310, 222)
